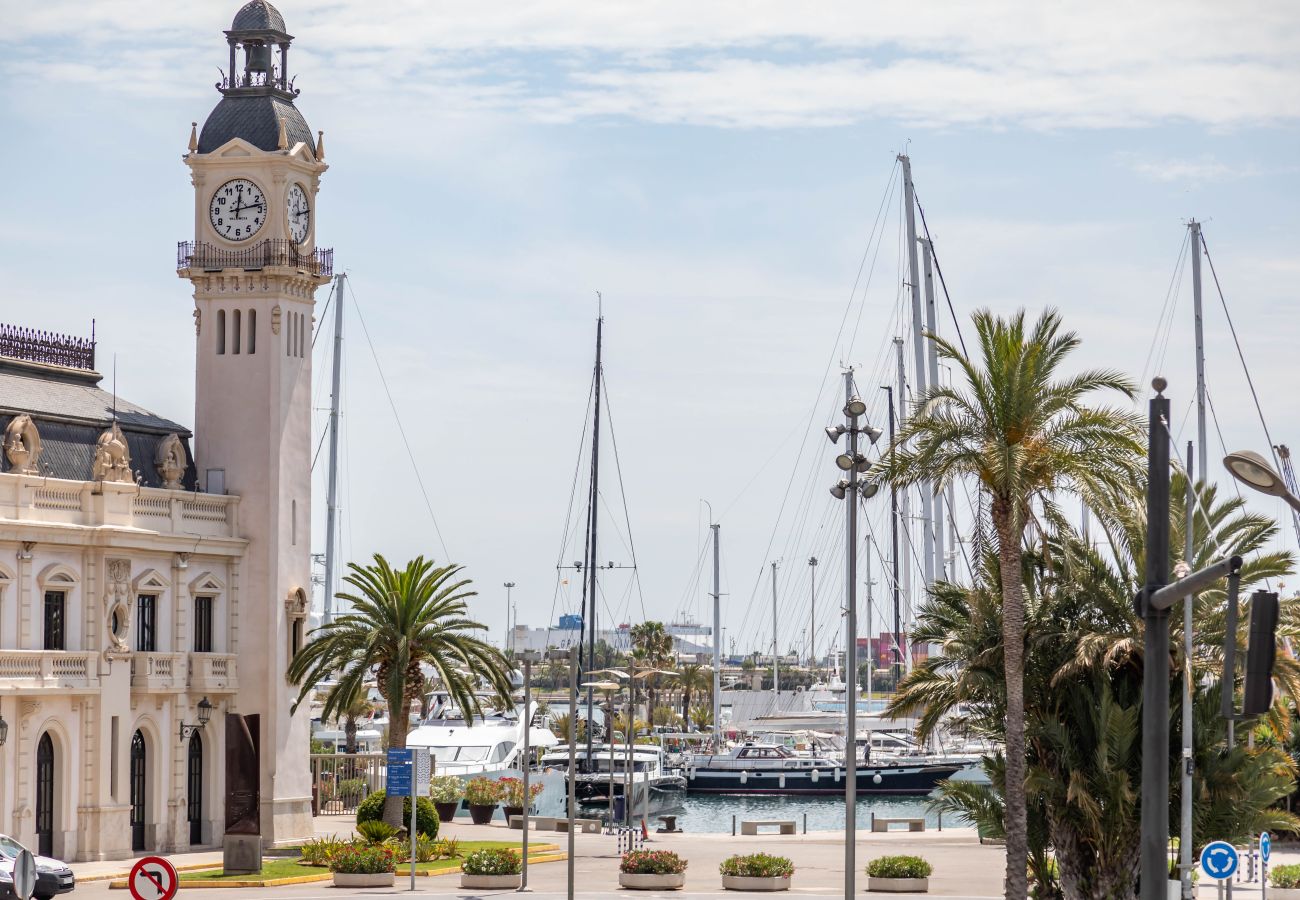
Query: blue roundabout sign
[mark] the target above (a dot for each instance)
(1219, 859)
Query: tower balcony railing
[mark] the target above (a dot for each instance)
(263, 255)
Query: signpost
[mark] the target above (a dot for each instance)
(24, 875)
(422, 764)
(151, 878)
(1265, 851)
(1219, 860)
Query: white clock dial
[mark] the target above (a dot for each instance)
(299, 213)
(238, 210)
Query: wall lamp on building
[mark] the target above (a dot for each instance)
(205, 713)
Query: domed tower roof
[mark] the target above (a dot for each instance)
(258, 15)
(258, 100)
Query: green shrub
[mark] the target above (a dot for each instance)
(446, 789)
(899, 867)
(355, 859)
(426, 849)
(490, 861)
(1285, 876)
(371, 809)
(350, 788)
(757, 865)
(448, 848)
(319, 851)
(375, 831)
(652, 862)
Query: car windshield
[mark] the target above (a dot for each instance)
(9, 847)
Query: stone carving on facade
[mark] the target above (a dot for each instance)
(275, 319)
(22, 443)
(198, 321)
(117, 602)
(295, 605)
(112, 457)
(170, 461)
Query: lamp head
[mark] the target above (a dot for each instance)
(1253, 470)
(869, 489)
(855, 407)
(837, 490)
(873, 434)
(845, 461)
(833, 433)
(205, 711)
(861, 463)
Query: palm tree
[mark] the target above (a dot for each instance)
(401, 620)
(690, 679)
(1024, 433)
(652, 648)
(701, 717)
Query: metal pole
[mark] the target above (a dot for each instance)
(919, 372)
(904, 521)
(332, 493)
(573, 746)
(776, 671)
(812, 615)
(717, 644)
(506, 645)
(592, 547)
(871, 624)
(1154, 871)
(628, 781)
(1194, 227)
(934, 524)
(1185, 776)
(893, 533)
(851, 655)
(414, 839)
(528, 727)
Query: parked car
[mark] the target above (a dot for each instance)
(52, 876)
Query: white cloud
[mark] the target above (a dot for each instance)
(1197, 171)
(754, 64)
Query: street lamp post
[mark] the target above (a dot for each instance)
(849, 489)
(528, 657)
(505, 645)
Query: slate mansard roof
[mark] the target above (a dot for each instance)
(71, 411)
(256, 119)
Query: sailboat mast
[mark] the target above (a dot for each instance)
(717, 644)
(934, 525)
(919, 371)
(332, 494)
(594, 510)
(776, 672)
(1195, 228)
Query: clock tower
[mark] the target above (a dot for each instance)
(255, 267)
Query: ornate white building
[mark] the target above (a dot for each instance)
(146, 586)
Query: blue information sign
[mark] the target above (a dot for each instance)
(399, 772)
(1219, 859)
(1265, 846)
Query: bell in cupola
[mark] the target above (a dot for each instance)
(257, 57)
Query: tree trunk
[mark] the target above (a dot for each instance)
(397, 726)
(1013, 656)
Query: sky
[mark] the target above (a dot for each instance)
(723, 175)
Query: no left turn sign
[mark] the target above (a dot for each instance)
(153, 878)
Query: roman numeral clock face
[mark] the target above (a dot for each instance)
(238, 210)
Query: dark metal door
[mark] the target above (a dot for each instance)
(137, 791)
(45, 796)
(194, 808)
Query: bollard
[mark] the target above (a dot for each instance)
(873, 821)
(733, 825)
(941, 820)
(805, 823)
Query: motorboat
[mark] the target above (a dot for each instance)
(479, 745)
(604, 777)
(766, 768)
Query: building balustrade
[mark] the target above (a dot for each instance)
(41, 500)
(212, 673)
(41, 671)
(156, 673)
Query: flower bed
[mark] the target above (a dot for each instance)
(652, 870)
(1285, 881)
(491, 868)
(358, 865)
(756, 872)
(482, 795)
(908, 874)
(512, 792)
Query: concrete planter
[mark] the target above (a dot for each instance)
(746, 883)
(481, 815)
(378, 879)
(898, 885)
(635, 882)
(1276, 893)
(490, 882)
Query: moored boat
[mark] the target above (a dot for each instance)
(754, 768)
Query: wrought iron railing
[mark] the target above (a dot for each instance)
(47, 347)
(342, 780)
(191, 255)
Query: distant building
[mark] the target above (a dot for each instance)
(689, 638)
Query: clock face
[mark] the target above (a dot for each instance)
(238, 210)
(299, 212)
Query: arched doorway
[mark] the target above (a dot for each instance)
(138, 760)
(45, 795)
(194, 784)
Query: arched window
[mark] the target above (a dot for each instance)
(252, 331)
(139, 778)
(234, 337)
(194, 788)
(221, 331)
(45, 795)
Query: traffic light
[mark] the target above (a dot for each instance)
(1260, 652)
